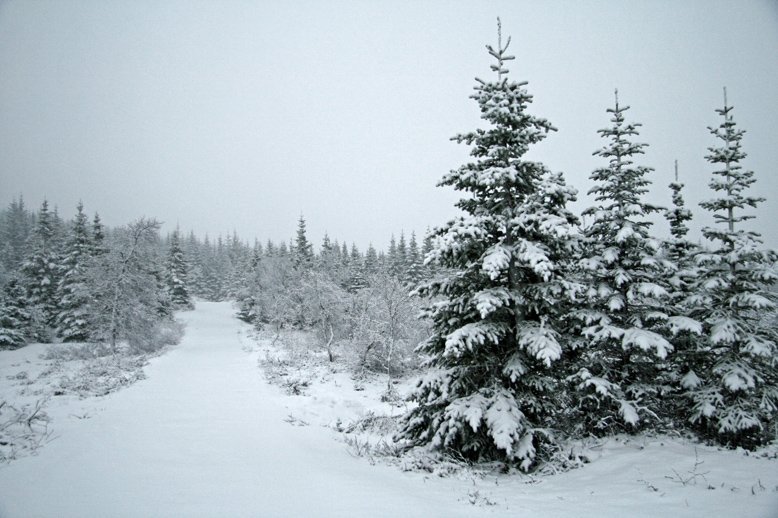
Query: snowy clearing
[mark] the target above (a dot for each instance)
(204, 435)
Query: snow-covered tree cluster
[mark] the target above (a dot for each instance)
(545, 328)
(355, 303)
(77, 281)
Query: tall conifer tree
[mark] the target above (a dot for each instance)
(490, 391)
(303, 250)
(15, 319)
(41, 271)
(98, 236)
(734, 385)
(73, 290)
(625, 321)
(176, 274)
(15, 231)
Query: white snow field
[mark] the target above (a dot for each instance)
(205, 435)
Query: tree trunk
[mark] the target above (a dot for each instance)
(329, 345)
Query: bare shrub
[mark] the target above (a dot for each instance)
(370, 422)
(384, 328)
(101, 376)
(77, 351)
(22, 430)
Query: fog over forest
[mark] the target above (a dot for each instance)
(242, 116)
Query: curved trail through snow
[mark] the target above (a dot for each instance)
(204, 435)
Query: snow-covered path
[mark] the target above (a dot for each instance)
(205, 436)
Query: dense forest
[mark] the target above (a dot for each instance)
(78, 281)
(525, 325)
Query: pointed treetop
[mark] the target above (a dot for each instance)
(499, 54)
(730, 179)
(617, 110)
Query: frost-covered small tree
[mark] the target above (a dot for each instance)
(329, 261)
(73, 291)
(14, 316)
(303, 250)
(625, 321)
(414, 271)
(126, 288)
(680, 252)
(176, 274)
(355, 273)
(391, 256)
(383, 325)
(370, 263)
(98, 235)
(272, 290)
(320, 304)
(491, 391)
(401, 260)
(246, 298)
(734, 384)
(679, 249)
(345, 256)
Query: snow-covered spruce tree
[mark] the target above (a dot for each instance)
(176, 274)
(491, 391)
(217, 271)
(328, 261)
(14, 316)
(370, 264)
(40, 270)
(15, 228)
(246, 298)
(98, 236)
(679, 249)
(209, 285)
(303, 250)
(164, 302)
(355, 272)
(345, 256)
(626, 319)
(734, 384)
(73, 292)
(414, 271)
(680, 252)
(238, 259)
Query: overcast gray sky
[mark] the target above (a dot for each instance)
(226, 116)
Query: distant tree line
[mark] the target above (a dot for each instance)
(78, 281)
(359, 303)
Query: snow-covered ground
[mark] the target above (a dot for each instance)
(205, 435)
